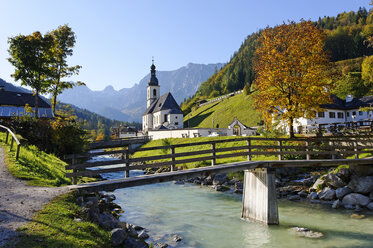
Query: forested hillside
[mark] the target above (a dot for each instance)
(97, 126)
(346, 40)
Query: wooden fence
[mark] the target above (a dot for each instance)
(298, 148)
(14, 138)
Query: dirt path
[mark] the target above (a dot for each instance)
(19, 201)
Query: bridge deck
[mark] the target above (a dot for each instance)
(110, 185)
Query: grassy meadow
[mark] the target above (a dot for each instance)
(239, 106)
(176, 141)
(35, 166)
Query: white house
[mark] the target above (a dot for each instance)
(239, 129)
(338, 112)
(162, 112)
(124, 132)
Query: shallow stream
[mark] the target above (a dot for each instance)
(206, 218)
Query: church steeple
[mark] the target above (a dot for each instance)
(153, 87)
(153, 80)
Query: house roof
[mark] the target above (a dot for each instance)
(356, 103)
(165, 102)
(20, 99)
(161, 127)
(235, 122)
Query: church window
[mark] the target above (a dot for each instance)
(154, 92)
(176, 123)
(165, 118)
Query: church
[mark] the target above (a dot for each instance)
(162, 112)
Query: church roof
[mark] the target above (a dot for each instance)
(165, 102)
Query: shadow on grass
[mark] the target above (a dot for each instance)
(196, 120)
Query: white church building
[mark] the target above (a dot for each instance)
(162, 112)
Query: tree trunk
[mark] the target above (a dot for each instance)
(36, 104)
(291, 128)
(54, 103)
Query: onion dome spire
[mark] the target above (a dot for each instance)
(153, 78)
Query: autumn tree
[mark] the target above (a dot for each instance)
(63, 43)
(367, 70)
(30, 55)
(291, 73)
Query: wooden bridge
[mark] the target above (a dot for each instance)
(259, 198)
(119, 142)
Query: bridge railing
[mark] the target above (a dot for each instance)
(14, 138)
(247, 147)
(118, 142)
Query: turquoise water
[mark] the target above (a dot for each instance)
(206, 218)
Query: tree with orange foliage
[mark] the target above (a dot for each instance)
(291, 73)
(100, 136)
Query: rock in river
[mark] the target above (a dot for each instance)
(307, 233)
(327, 194)
(332, 180)
(118, 236)
(341, 192)
(363, 185)
(356, 199)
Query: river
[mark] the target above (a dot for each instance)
(206, 218)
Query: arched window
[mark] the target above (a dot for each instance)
(154, 92)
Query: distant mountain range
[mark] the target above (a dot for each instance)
(128, 104)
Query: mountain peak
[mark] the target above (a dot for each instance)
(109, 88)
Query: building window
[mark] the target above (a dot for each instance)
(321, 114)
(354, 113)
(176, 123)
(331, 114)
(175, 117)
(340, 115)
(154, 92)
(348, 114)
(360, 112)
(165, 118)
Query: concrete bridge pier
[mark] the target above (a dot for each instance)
(259, 201)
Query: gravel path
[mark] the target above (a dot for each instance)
(19, 201)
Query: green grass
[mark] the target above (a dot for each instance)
(35, 166)
(175, 141)
(54, 227)
(224, 112)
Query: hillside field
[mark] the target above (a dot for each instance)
(239, 106)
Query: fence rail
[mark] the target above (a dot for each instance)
(14, 138)
(336, 147)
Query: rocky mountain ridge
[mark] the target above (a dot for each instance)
(128, 104)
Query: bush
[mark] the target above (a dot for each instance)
(61, 135)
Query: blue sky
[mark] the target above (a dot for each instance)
(116, 39)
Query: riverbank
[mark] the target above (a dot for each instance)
(19, 201)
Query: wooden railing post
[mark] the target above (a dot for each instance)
(308, 150)
(248, 142)
(332, 149)
(280, 150)
(7, 136)
(356, 150)
(126, 157)
(74, 162)
(213, 161)
(173, 158)
(11, 143)
(18, 148)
